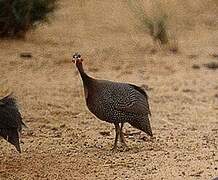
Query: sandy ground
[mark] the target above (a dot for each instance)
(65, 141)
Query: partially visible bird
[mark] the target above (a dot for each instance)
(115, 102)
(10, 121)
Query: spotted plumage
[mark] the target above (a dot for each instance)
(10, 121)
(115, 102)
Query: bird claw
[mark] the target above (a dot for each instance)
(125, 147)
(114, 149)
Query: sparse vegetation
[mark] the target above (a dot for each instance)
(155, 25)
(195, 66)
(18, 16)
(212, 65)
(157, 29)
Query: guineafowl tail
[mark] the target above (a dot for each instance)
(12, 136)
(143, 125)
(10, 121)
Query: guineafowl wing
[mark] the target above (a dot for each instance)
(133, 99)
(139, 89)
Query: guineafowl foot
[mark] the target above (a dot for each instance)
(124, 149)
(114, 149)
(124, 145)
(122, 140)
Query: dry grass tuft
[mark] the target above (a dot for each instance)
(155, 23)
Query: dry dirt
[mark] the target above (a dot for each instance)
(65, 141)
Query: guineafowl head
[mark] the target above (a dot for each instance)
(77, 58)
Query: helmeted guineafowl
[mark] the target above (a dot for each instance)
(10, 121)
(115, 102)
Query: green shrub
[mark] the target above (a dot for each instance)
(18, 16)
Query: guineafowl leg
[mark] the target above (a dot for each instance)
(117, 129)
(122, 139)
